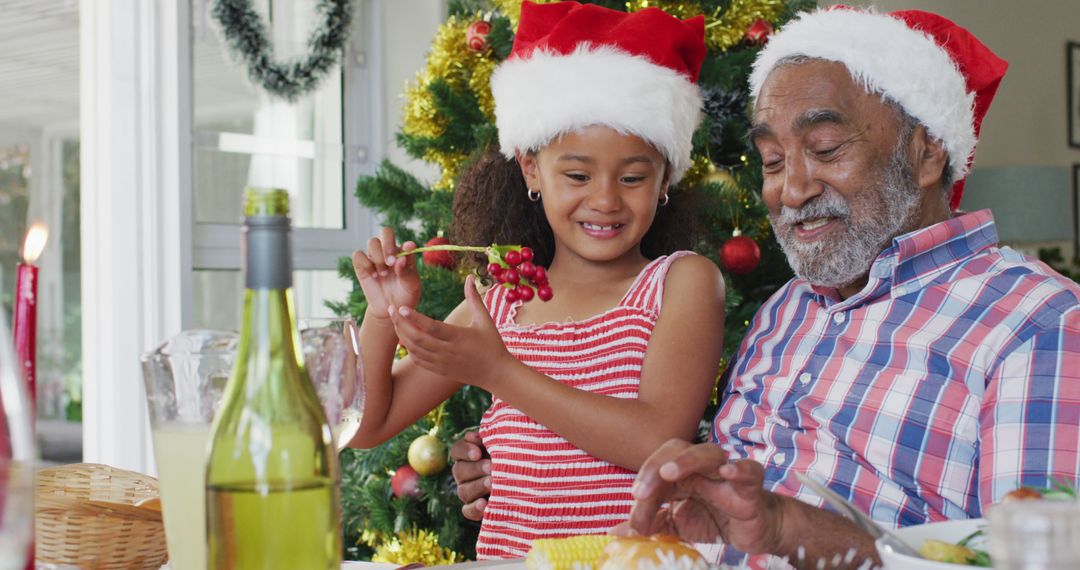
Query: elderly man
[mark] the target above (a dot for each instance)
(913, 365)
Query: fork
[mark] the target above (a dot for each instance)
(864, 522)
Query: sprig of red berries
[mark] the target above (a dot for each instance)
(509, 265)
(512, 266)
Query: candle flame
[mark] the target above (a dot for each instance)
(35, 242)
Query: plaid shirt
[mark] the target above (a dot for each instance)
(950, 379)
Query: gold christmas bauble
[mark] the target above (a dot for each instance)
(723, 177)
(427, 455)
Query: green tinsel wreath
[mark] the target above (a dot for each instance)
(246, 35)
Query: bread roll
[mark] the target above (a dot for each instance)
(657, 552)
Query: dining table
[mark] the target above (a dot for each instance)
(359, 565)
(485, 564)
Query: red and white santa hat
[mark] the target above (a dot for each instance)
(575, 65)
(938, 72)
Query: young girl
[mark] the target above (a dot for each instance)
(624, 356)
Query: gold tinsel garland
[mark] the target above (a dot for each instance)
(371, 537)
(714, 399)
(449, 164)
(512, 8)
(697, 171)
(480, 83)
(445, 61)
(722, 30)
(416, 545)
(677, 8)
(452, 61)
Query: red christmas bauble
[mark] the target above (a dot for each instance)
(440, 258)
(759, 32)
(476, 35)
(405, 482)
(740, 255)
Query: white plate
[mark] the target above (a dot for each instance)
(948, 531)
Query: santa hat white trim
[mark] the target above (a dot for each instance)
(549, 94)
(887, 57)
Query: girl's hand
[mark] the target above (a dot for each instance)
(473, 354)
(387, 280)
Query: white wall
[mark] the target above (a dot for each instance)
(408, 28)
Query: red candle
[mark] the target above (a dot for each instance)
(24, 322)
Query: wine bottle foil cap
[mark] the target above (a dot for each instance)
(266, 245)
(266, 202)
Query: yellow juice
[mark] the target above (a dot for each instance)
(180, 451)
(278, 525)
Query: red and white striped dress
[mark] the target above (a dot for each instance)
(542, 485)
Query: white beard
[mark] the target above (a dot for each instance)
(886, 211)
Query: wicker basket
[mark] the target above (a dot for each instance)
(85, 516)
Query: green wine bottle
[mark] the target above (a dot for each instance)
(272, 482)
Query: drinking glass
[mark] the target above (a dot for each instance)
(16, 460)
(1034, 534)
(332, 356)
(185, 378)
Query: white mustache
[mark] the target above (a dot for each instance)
(827, 205)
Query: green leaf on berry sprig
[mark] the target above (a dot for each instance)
(510, 266)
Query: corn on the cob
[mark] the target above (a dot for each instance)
(570, 553)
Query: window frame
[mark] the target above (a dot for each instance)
(140, 245)
(216, 246)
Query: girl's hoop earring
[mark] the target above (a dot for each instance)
(534, 195)
(664, 200)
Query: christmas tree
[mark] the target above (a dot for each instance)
(399, 501)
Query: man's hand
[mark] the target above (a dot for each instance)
(472, 473)
(709, 498)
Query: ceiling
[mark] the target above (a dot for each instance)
(39, 63)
